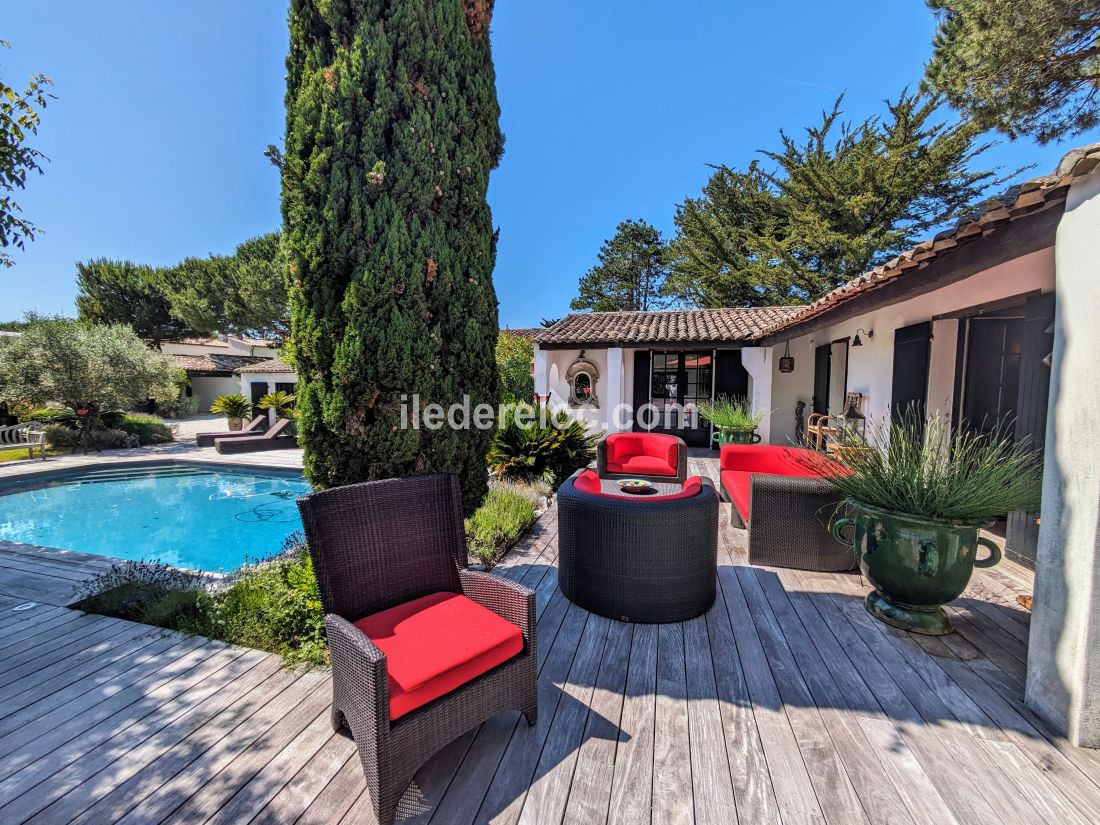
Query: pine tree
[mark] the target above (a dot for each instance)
(631, 272)
(841, 200)
(1023, 67)
(392, 130)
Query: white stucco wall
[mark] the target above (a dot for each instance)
(206, 389)
(1063, 663)
(557, 362)
(870, 367)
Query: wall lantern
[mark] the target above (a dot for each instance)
(857, 342)
(786, 361)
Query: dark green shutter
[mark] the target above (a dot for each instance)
(730, 376)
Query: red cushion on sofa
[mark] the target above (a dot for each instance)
(644, 465)
(437, 643)
(738, 486)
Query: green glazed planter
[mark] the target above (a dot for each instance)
(723, 435)
(915, 565)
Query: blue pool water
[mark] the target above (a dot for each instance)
(187, 516)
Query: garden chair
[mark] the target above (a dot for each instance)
(257, 426)
(30, 435)
(422, 649)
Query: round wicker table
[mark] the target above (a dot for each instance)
(637, 560)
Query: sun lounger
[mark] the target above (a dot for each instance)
(255, 427)
(274, 439)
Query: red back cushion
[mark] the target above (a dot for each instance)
(780, 461)
(623, 446)
(589, 482)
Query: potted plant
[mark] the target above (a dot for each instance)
(734, 420)
(280, 401)
(235, 408)
(918, 497)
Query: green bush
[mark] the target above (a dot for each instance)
(549, 448)
(147, 428)
(272, 605)
(275, 606)
(61, 437)
(110, 439)
(181, 407)
(507, 512)
(51, 415)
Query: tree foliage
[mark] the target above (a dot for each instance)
(631, 273)
(20, 116)
(840, 200)
(121, 292)
(82, 366)
(1023, 67)
(242, 293)
(392, 130)
(515, 354)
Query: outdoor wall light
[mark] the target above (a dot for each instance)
(859, 343)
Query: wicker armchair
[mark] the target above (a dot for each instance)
(383, 544)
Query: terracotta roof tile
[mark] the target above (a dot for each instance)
(672, 326)
(214, 362)
(267, 365)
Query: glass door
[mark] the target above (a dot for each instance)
(679, 381)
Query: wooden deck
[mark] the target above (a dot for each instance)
(784, 703)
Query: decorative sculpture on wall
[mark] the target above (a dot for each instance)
(582, 376)
(800, 423)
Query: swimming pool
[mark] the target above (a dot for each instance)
(203, 518)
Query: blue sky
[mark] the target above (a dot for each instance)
(611, 109)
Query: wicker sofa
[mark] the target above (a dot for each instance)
(649, 456)
(780, 496)
(651, 559)
(422, 649)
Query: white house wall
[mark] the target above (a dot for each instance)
(870, 367)
(557, 362)
(207, 388)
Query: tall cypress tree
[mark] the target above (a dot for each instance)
(392, 130)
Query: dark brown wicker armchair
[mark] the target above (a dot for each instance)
(382, 544)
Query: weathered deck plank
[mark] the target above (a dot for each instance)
(785, 703)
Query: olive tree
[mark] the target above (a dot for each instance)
(90, 368)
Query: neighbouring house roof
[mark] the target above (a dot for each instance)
(267, 365)
(259, 342)
(202, 342)
(213, 362)
(524, 332)
(1027, 198)
(670, 326)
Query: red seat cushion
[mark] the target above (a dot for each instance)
(738, 485)
(779, 461)
(437, 643)
(645, 465)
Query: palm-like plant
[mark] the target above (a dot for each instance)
(280, 401)
(231, 406)
(551, 447)
(731, 413)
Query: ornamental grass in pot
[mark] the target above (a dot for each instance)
(734, 420)
(919, 495)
